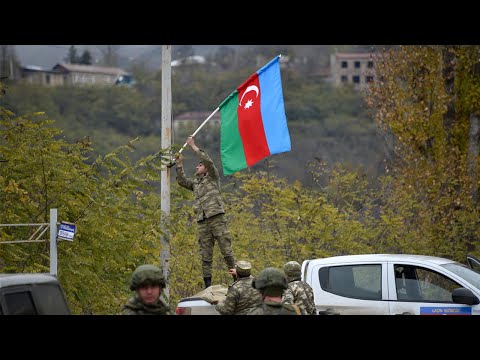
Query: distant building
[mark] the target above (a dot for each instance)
(191, 120)
(352, 68)
(73, 74)
(35, 75)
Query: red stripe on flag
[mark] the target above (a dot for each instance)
(250, 123)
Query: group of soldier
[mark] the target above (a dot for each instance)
(273, 291)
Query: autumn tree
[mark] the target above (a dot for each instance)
(426, 100)
(112, 200)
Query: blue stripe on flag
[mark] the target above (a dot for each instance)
(273, 107)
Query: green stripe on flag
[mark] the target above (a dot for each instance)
(231, 146)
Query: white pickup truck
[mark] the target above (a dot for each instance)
(382, 284)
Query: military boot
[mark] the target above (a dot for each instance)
(208, 281)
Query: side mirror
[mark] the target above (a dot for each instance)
(464, 296)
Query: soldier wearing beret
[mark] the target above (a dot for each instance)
(241, 296)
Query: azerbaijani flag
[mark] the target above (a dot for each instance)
(253, 124)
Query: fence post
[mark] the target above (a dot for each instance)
(53, 242)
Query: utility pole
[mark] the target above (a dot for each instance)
(165, 175)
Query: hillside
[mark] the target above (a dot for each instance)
(326, 124)
(47, 56)
(150, 56)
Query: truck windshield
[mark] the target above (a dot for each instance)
(469, 275)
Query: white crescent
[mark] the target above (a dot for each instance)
(250, 88)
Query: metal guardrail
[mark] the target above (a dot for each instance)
(36, 237)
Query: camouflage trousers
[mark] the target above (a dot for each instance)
(210, 230)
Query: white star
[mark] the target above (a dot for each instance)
(248, 104)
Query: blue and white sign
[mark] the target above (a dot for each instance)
(66, 231)
(445, 310)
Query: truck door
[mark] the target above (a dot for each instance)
(418, 290)
(351, 289)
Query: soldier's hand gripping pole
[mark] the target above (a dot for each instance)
(172, 163)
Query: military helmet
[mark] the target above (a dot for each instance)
(293, 269)
(147, 275)
(243, 268)
(270, 277)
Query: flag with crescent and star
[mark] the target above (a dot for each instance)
(253, 124)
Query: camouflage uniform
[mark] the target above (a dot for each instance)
(135, 306)
(241, 296)
(298, 292)
(146, 275)
(209, 209)
(273, 308)
(272, 282)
